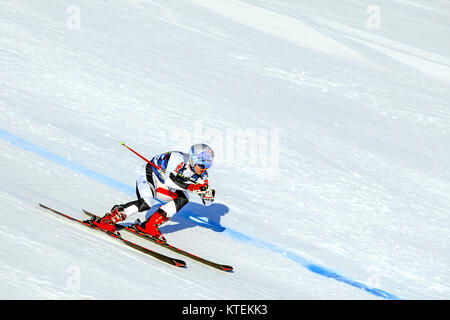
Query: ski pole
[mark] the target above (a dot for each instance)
(143, 158)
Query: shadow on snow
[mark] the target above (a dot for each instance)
(197, 215)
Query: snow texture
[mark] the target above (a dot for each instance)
(329, 120)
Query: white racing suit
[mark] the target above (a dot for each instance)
(168, 184)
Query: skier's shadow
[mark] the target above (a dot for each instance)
(197, 215)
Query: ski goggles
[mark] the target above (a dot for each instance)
(204, 160)
(206, 165)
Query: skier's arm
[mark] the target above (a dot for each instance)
(199, 188)
(183, 183)
(202, 189)
(178, 181)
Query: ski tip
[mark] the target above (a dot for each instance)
(226, 268)
(89, 214)
(179, 263)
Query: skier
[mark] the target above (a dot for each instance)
(178, 173)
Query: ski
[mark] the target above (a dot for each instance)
(169, 246)
(159, 256)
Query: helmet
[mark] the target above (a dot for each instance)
(202, 155)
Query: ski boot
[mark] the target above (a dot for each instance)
(150, 226)
(109, 220)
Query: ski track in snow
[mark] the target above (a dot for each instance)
(358, 203)
(28, 146)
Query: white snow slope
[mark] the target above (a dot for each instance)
(330, 122)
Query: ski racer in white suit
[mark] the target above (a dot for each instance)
(178, 174)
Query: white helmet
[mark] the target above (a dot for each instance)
(201, 155)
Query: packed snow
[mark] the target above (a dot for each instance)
(330, 122)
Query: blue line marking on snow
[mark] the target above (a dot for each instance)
(308, 265)
(31, 147)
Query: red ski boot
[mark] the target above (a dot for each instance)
(110, 219)
(150, 226)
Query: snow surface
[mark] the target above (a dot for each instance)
(338, 189)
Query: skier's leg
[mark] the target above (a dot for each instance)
(177, 199)
(145, 191)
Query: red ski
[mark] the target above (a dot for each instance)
(168, 246)
(159, 256)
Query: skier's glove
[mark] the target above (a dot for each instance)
(208, 197)
(198, 188)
